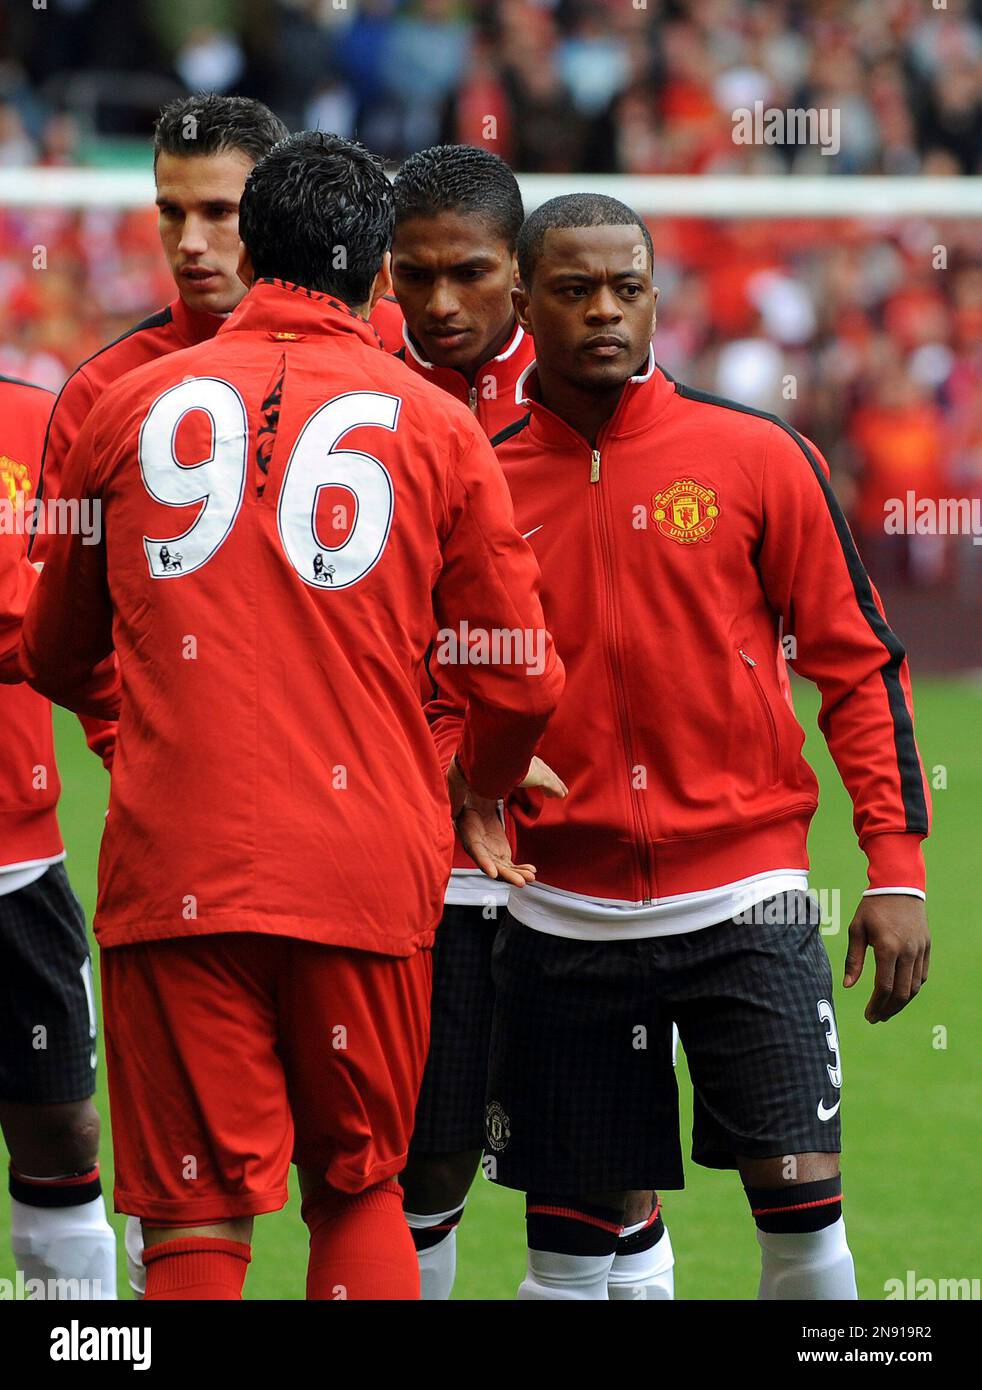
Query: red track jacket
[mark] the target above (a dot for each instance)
(29, 785)
(669, 556)
(289, 514)
(491, 398)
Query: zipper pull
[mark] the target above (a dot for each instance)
(748, 659)
(595, 466)
(472, 399)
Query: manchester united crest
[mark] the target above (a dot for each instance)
(686, 511)
(15, 481)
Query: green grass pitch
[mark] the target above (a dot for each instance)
(911, 1091)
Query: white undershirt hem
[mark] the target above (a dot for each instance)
(472, 888)
(14, 877)
(559, 912)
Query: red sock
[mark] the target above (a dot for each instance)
(360, 1246)
(196, 1268)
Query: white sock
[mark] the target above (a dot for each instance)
(559, 1277)
(135, 1268)
(65, 1243)
(438, 1262)
(810, 1265)
(647, 1275)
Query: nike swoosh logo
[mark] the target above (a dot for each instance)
(526, 534)
(824, 1114)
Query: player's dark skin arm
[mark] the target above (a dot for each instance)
(894, 926)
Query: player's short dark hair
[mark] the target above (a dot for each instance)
(461, 178)
(317, 211)
(573, 210)
(210, 124)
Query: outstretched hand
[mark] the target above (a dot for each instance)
(479, 825)
(894, 925)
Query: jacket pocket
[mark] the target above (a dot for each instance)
(750, 666)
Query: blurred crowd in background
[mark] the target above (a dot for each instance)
(866, 335)
(572, 86)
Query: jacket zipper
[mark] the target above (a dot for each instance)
(472, 399)
(768, 714)
(642, 845)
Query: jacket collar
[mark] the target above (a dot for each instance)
(452, 380)
(643, 399)
(284, 310)
(192, 325)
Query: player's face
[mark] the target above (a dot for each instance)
(453, 279)
(198, 216)
(591, 307)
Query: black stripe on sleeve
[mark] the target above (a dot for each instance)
(511, 429)
(911, 785)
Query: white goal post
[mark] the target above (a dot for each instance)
(653, 195)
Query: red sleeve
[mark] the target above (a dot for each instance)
(814, 577)
(17, 579)
(491, 635)
(66, 647)
(444, 709)
(31, 409)
(70, 412)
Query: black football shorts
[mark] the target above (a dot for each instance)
(582, 1097)
(47, 1009)
(450, 1110)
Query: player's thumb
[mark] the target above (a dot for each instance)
(541, 777)
(552, 785)
(856, 954)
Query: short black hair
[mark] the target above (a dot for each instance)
(318, 211)
(573, 210)
(210, 124)
(461, 178)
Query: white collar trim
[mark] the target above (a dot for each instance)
(516, 338)
(522, 399)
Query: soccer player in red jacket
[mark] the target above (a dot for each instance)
(204, 146)
(277, 841)
(458, 214)
(675, 533)
(58, 1224)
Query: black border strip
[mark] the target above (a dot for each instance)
(515, 428)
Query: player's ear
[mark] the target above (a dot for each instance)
(382, 284)
(245, 271)
(520, 300)
(654, 308)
